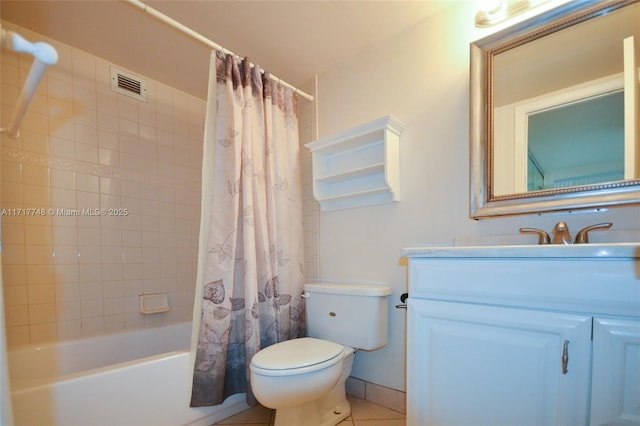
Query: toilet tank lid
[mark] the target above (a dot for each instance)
(348, 289)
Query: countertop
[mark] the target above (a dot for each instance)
(584, 251)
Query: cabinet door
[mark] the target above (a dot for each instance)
(483, 365)
(615, 389)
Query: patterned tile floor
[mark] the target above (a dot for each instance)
(363, 413)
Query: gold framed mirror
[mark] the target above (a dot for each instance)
(579, 60)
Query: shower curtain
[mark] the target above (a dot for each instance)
(250, 265)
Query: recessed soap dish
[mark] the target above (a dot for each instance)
(153, 303)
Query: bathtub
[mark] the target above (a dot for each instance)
(135, 378)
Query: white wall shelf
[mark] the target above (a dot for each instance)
(359, 166)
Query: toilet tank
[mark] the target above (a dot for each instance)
(351, 314)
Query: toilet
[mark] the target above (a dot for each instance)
(304, 379)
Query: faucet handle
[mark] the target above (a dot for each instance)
(582, 237)
(543, 237)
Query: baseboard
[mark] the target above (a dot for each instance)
(392, 399)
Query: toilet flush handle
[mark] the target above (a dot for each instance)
(403, 299)
(304, 294)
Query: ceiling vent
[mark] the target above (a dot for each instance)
(128, 84)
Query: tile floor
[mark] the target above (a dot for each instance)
(363, 413)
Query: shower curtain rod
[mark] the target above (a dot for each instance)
(188, 31)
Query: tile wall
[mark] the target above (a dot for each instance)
(310, 208)
(68, 273)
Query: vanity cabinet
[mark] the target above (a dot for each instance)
(523, 336)
(496, 366)
(615, 384)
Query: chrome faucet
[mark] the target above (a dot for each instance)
(561, 234)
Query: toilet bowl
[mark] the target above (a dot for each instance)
(304, 379)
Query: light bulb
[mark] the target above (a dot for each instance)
(489, 6)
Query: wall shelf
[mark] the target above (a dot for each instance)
(359, 166)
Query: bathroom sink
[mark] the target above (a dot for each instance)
(594, 250)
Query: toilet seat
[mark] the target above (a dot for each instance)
(296, 356)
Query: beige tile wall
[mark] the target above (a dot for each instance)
(311, 208)
(83, 146)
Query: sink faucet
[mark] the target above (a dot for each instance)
(582, 237)
(561, 234)
(543, 237)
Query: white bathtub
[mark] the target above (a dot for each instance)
(136, 378)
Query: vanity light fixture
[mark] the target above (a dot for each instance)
(492, 12)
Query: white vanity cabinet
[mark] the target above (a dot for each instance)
(615, 382)
(523, 335)
(486, 365)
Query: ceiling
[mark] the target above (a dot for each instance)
(292, 39)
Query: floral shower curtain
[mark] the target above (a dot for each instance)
(250, 276)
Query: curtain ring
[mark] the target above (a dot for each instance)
(221, 53)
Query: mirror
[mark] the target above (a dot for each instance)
(555, 109)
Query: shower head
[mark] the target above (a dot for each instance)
(42, 51)
(44, 55)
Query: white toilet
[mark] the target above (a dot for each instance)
(304, 379)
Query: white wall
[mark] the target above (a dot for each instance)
(422, 77)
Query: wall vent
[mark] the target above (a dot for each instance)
(128, 84)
